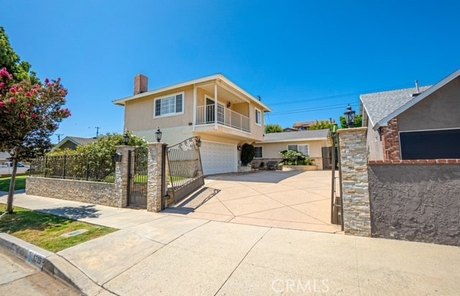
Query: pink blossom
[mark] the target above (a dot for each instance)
(2, 85)
(13, 100)
(2, 104)
(4, 73)
(34, 116)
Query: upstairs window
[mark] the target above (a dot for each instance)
(170, 105)
(258, 117)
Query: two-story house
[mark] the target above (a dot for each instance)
(213, 108)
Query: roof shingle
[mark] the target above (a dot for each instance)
(380, 105)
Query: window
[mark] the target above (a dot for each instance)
(258, 152)
(170, 105)
(300, 148)
(258, 117)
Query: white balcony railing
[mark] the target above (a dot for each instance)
(225, 116)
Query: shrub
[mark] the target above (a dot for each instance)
(292, 157)
(247, 154)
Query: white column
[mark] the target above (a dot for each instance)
(215, 105)
(194, 107)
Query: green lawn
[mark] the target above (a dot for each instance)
(20, 183)
(45, 230)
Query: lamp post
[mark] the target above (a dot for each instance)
(158, 135)
(126, 138)
(350, 117)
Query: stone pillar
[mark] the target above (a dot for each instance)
(355, 186)
(154, 190)
(121, 175)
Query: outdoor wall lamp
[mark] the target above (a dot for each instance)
(117, 157)
(350, 116)
(238, 147)
(158, 135)
(126, 138)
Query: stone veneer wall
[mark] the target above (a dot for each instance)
(391, 143)
(77, 190)
(355, 189)
(416, 200)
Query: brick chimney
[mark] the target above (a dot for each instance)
(141, 84)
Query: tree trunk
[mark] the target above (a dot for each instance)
(9, 206)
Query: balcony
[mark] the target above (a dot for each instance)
(206, 115)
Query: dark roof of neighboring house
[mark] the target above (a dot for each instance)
(382, 107)
(79, 141)
(290, 129)
(297, 136)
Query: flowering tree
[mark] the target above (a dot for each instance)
(29, 114)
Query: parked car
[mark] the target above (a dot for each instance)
(7, 168)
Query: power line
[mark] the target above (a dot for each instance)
(311, 109)
(314, 99)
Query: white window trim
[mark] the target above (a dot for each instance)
(308, 147)
(260, 123)
(167, 96)
(261, 147)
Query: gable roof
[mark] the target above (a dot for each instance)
(309, 135)
(379, 105)
(79, 141)
(384, 106)
(122, 101)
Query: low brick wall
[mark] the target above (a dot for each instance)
(416, 200)
(77, 190)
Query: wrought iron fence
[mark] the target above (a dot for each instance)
(184, 168)
(75, 167)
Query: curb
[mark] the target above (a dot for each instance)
(51, 263)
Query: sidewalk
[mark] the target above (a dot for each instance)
(171, 255)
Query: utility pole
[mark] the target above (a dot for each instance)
(97, 131)
(59, 137)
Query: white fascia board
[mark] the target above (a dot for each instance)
(122, 101)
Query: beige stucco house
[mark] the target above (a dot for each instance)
(307, 142)
(213, 108)
(415, 123)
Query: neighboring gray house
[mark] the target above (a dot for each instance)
(415, 123)
(73, 142)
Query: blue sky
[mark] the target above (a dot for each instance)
(306, 59)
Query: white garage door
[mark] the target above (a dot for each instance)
(218, 158)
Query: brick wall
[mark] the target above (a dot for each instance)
(390, 139)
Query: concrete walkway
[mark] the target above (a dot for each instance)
(171, 255)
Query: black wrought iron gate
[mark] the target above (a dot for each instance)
(184, 168)
(137, 177)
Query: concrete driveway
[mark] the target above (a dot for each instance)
(292, 200)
